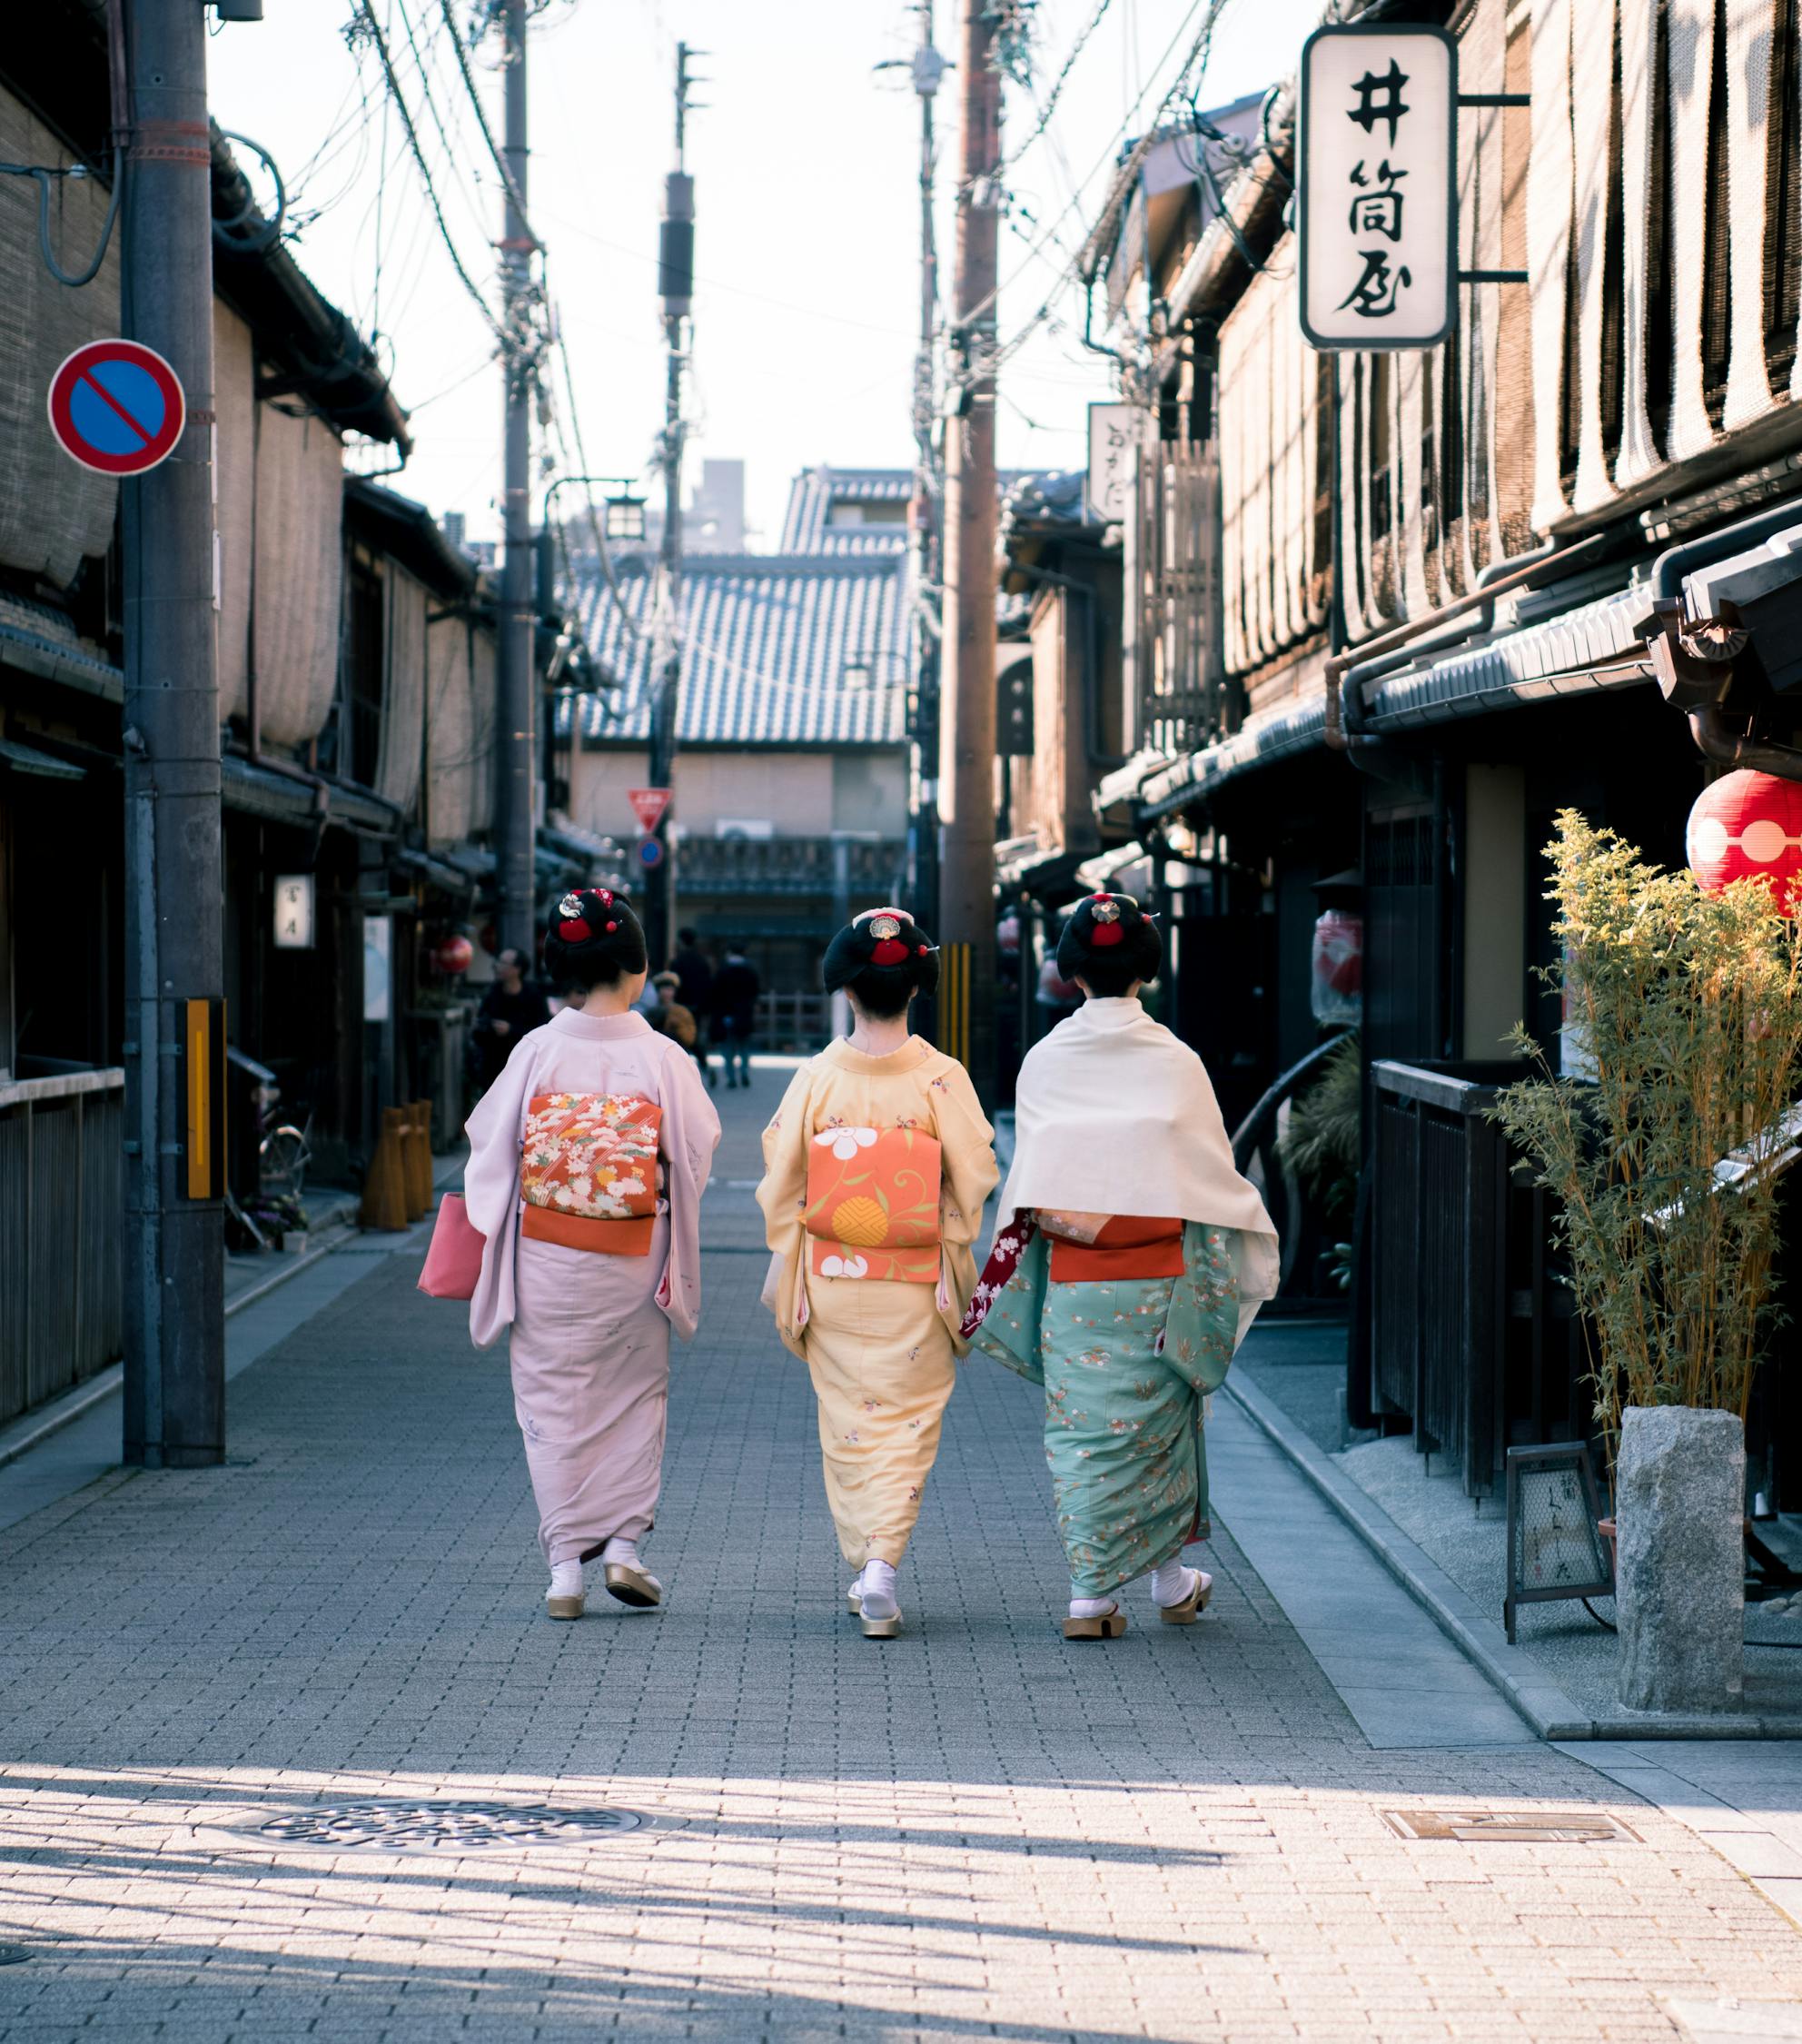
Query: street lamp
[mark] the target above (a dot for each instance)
(624, 517)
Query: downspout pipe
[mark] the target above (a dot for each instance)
(1344, 732)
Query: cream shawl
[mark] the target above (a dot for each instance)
(1114, 1115)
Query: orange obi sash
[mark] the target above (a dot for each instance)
(588, 1171)
(872, 1204)
(1127, 1245)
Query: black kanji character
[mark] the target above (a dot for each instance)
(1379, 211)
(1372, 108)
(1372, 297)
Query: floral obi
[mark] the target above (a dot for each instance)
(873, 1204)
(589, 1171)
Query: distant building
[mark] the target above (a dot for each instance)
(792, 780)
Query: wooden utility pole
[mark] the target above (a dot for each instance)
(927, 68)
(174, 1406)
(966, 878)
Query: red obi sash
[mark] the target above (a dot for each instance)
(588, 1171)
(1127, 1245)
(872, 1206)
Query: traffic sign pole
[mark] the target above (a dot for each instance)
(174, 1303)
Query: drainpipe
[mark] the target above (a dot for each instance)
(1693, 658)
(1344, 718)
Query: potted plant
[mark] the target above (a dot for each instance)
(1663, 1149)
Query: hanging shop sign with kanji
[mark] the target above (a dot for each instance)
(1377, 202)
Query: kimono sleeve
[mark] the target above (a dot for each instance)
(1202, 1328)
(691, 1135)
(966, 1146)
(783, 1194)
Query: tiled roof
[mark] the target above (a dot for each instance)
(812, 495)
(767, 640)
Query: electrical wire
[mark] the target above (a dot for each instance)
(367, 11)
(1049, 105)
(966, 317)
(513, 193)
(45, 178)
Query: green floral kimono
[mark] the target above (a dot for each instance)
(1126, 1367)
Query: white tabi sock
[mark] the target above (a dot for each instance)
(565, 1580)
(1090, 1607)
(1173, 1583)
(875, 1586)
(620, 1549)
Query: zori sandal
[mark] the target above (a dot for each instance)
(1105, 1626)
(633, 1587)
(1193, 1605)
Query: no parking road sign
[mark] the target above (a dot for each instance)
(116, 407)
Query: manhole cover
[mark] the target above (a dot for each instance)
(455, 1827)
(14, 1955)
(1518, 1827)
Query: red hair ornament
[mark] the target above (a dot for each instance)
(574, 931)
(1107, 929)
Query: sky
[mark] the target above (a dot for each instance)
(805, 159)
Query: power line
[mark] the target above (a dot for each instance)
(469, 284)
(1193, 65)
(482, 121)
(1057, 84)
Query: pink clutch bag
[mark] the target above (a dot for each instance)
(453, 1262)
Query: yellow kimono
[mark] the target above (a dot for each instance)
(851, 1153)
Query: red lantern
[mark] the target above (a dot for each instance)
(1746, 826)
(453, 954)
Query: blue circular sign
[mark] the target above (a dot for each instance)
(116, 407)
(651, 851)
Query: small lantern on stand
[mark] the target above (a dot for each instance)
(452, 954)
(1748, 826)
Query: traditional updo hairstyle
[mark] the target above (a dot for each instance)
(1108, 943)
(883, 958)
(593, 940)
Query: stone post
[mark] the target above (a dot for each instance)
(1680, 1574)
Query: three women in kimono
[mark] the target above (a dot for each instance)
(877, 1165)
(1129, 1260)
(588, 1156)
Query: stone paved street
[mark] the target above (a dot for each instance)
(977, 1830)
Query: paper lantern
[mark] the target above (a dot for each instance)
(1336, 993)
(1748, 825)
(453, 955)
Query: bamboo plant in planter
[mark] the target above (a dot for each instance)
(1664, 1158)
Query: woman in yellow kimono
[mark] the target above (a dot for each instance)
(877, 1165)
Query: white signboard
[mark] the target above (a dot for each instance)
(294, 912)
(1377, 202)
(377, 968)
(1115, 432)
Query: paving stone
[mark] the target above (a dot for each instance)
(974, 1831)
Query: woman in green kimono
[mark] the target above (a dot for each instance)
(1130, 1258)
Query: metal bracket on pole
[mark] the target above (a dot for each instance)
(1495, 99)
(1495, 277)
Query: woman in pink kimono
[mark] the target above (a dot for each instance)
(588, 1156)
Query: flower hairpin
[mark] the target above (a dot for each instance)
(571, 904)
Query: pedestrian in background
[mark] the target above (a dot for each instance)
(510, 1008)
(587, 1157)
(733, 1002)
(1130, 1257)
(694, 973)
(876, 1168)
(672, 1017)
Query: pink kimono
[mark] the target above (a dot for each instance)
(590, 1330)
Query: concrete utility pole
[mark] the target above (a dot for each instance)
(175, 973)
(928, 67)
(967, 884)
(676, 287)
(516, 755)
